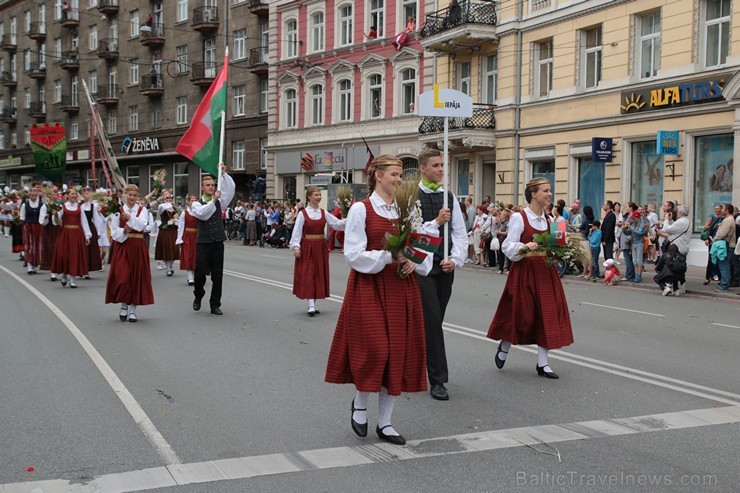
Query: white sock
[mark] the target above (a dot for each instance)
(30, 267)
(71, 278)
(169, 264)
(311, 305)
(132, 309)
(505, 346)
(191, 275)
(385, 410)
(542, 356)
(124, 307)
(361, 403)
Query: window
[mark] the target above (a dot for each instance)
(27, 137)
(58, 48)
(2, 141)
(182, 110)
(133, 72)
(240, 44)
(58, 91)
(156, 110)
(714, 175)
(27, 60)
(290, 110)
(543, 71)
(182, 10)
(112, 121)
(113, 34)
(648, 45)
(463, 177)
(717, 31)
(263, 153)
(345, 25)
(408, 10)
(345, 100)
(264, 84)
(647, 173)
(592, 57)
(93, 3)
(317, 104)
(237, 155)
(74, 130)
(463, 77)
(182, 59)
(92, 78)
(291, 38)
(42, 55)
(27, 20)
(93, 38)
(376, 16)
(375, 96)
(545, 169)
(133, 118)
(26, 98)
(317, 32)
(408, 91)
(239, 100)
(132, 175)
(490, 79)
(265, 41)
(134, 23)
(181, 180)
(57, 10)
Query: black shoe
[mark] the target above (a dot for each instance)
(216, 310)
(169, 273)
(64, 281)
(549, 374)
(500, 362)
(311, 313)
(191, 283)
(360, 430)
(53, 278)
(123, 314)
(439, 392)
(394, 439)
(196, 304)
(132, 318)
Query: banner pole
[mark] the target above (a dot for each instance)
(446, 187)
(221, 147)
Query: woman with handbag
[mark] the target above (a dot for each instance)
(708, 232)
(493, 244)
(478, 242)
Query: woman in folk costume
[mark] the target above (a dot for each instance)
(32, 213)
(165, 249)
(187, 233)
(90, 209)
(101, 225)
(379, 339)
(129, 279)
(7, 205)
(16, 230)
(532, 308)
(311, 270)
(52, 226)
(70, 253)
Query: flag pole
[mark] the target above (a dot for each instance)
(446, 187)
(221, 147)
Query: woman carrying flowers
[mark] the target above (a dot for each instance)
(532, 308)
(92, 216)
(70, 252)
(187, 233)
(379, 339)
(308, 243)
(165, 249)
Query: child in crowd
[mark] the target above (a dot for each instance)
(594, 243)
(611, 273)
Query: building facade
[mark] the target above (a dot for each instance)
(147, 65)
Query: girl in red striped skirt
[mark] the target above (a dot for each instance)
(532, 308)
(379, 340)
(187, 233)
(311, 270)
(70, 252)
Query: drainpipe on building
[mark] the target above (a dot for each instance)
(517, 101)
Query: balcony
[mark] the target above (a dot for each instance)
(70, 60)
(70, 18)
(37, 110)
(37, 31)
(474, 133)
(9, 43)
(457, 29)
(107, 95)
(258, 61)
(37, 71)
(259, 7)
(205, 19)
(108, 49)
(151, 85)
(152, 36)
(108, 7)
(8, 79)
(9, 115)
(70, 103)
(203, 73)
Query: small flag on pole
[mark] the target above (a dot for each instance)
(558, 233)
(370, 159)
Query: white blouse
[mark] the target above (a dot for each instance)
(355, 240)
(315, 214)
(140, 223)
(83, 220)
(512, 245)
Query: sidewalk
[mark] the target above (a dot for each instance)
(694, 282)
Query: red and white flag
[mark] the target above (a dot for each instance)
(400, 39)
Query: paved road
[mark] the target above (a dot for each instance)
(648, 399)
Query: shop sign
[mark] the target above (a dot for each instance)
(674, 95)
(445, 102)
(10, 162)
(601, 150)
(134, 145)
(668, 142)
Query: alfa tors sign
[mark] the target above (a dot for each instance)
(705, 90)
(134, 145)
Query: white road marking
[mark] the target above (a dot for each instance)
(725, 325)
(379, 452)
(271, 256)
(623, 309)
(140, 417)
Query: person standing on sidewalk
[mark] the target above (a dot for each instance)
(607, 230)
(725, 233)
(678, 233)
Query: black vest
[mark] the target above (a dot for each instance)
(212, 230)
(32, 213)
(431, 203)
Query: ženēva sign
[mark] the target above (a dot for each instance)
(133, 145)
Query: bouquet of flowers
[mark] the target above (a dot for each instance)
(344, 199)
(159, 181)
(172, 222)
(557, 245)
(52, 199)
(107, 204)
(16, 213)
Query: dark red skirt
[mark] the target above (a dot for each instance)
(187, 250)
(32, 237)
(379, 338)
(70, 253)
(94, 263)
(130, 279)
(311, 271)
(48, 245)
(533, 308)
(166, 248)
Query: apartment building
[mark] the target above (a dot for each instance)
(560, 73)
(147, 65)
(335, 81)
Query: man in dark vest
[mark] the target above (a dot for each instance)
(436, 288)
(209, 250)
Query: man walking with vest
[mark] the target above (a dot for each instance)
(209, 249)
(436, 287)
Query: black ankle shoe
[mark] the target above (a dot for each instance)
(394, 439)
(500, 362)
(360, 430)
(549, 374)
(123, 315)
(196, 304)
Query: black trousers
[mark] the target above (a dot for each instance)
(608, 250)
(436, 289)
(209, 260)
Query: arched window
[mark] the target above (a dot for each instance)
(290, 108)
(375, 96)
(317, 104)
(410, 164)
(408, 91)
